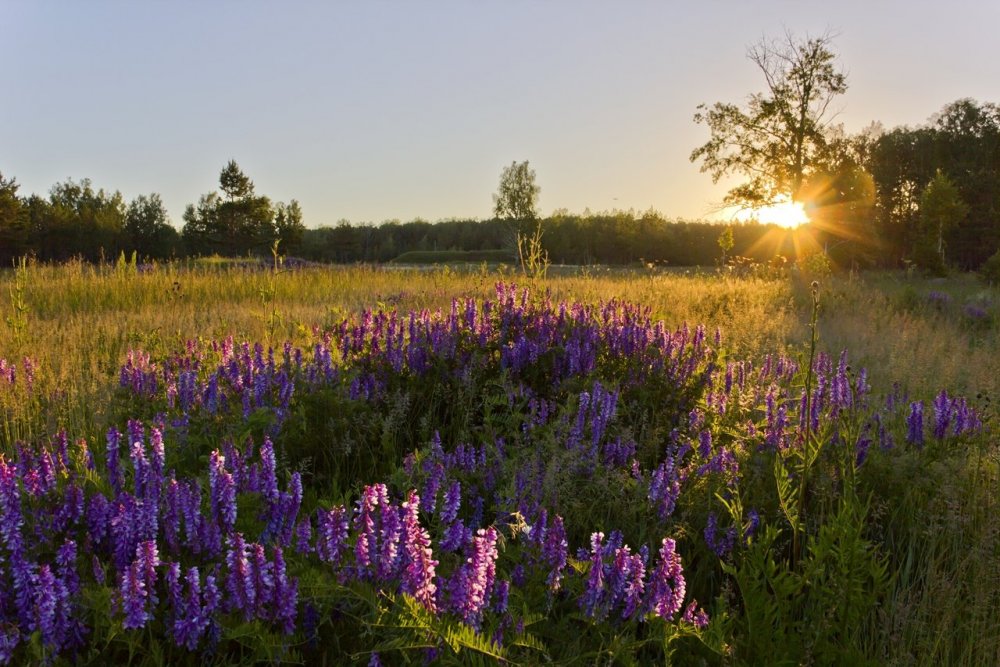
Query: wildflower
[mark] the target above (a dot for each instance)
(331, 540)
(695, 616)
(667, 587)
(942, 414)
(472, 583)
(720, 545)
(452, 502)
(285, 594)
(133, 596)
(419, 574)
(240, 583)
(915, 424)
(554, 552)
(222, 492)
(593, 597)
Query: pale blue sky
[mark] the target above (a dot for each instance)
(377, 110)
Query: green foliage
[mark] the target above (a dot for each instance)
(990, 270)
(242, 222)
(781, 138)
(517, 195)
(726, 242)
(19, 309)
(941, 208)
(148, 229)
(534, 260)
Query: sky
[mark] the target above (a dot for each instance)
(377, 110)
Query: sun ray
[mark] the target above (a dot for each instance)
(784, 213)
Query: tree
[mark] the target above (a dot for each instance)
(234, 183)
(288, 225)
(781, 137)
(13, 231)
(517, 196)
(941, 207)
(517, 200)
(963, 141)
(726, 242)
(240, 223)
(147, 227)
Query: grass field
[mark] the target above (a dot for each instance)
(888, 557)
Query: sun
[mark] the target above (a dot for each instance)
(787, 213)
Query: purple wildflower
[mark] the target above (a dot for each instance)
(915, 424)
(667, 587)
(419, 575)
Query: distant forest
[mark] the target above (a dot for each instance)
(912, 195)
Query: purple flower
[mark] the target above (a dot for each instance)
(222, 491)
(240, 582)
(593, 597)
(114, 468)
(419, 573)
(133, 597)
(554, 552)
(665, 488)
(667, 587)
(472, 584)
(942, 414)
(303, 536)
(695, 616)
(286, 593)
(915, 424)
(49, 593)
(720, 545)
(331, 540)
(452, 502)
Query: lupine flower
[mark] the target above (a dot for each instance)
(942, 414)
(133, 597)
(915, 424)
(285, 596)
(665, 488)
(695, 615)
(114, 470)
(472, 583)
(720, 545)
(331, 539)
(666, 587)
(452, 501)
(222, 492)
(594, 595)
(418, 575)
(240, 582)
(554, 552)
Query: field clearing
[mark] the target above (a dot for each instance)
(927, 514)
(82, 319)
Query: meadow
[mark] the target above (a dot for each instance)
(209, 463)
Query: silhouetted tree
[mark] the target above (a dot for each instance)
(781, 137)
(242, 222)
(13, 227)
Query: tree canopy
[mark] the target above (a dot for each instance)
(517, 196)
(781, 136)
(241, 222)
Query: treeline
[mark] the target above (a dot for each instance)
(928, 195)
(77, 221)
(605, 238)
